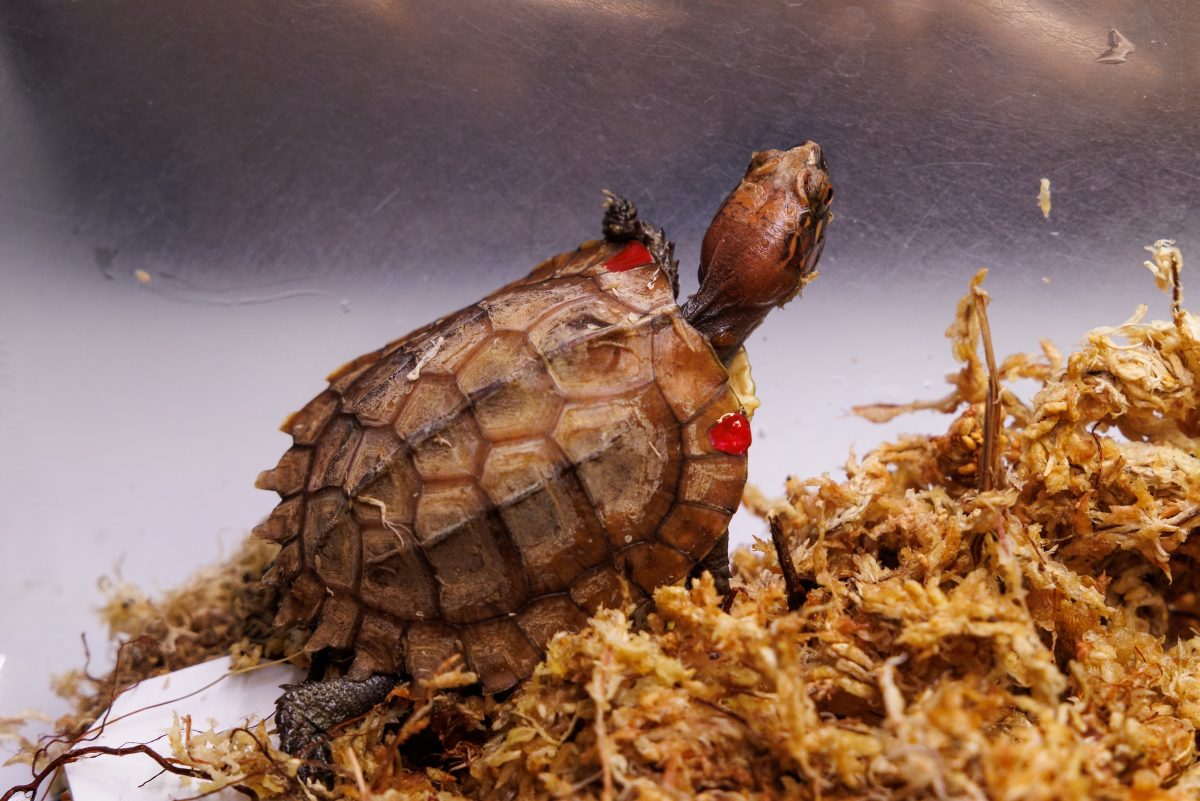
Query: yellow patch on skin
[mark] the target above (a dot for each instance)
(742, 383)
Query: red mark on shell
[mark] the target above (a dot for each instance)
(731, 434)
(632, 255)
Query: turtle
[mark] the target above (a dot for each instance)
(572, 441)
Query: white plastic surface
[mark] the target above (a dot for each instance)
(143, 715)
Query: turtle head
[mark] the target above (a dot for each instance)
(763, 245)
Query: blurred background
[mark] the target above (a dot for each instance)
(206, 207)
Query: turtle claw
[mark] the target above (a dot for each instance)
(307, 712)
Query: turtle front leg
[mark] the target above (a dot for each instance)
(716, 563)
(306, 712)
(621, 224)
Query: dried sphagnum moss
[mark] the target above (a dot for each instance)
(1031, 641)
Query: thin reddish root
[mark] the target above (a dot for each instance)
(87, 660)
(78, 754)
(115, 690)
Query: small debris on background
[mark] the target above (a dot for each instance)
(1043, 198)
(1118, 50)
(932, 639)
(142, 277)
(104, 258)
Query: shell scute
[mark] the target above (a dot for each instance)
(687, 369)
(517, 468)
(575, 320)
(287, 477)
(610, 361)
(395, 577)
(306, 424)
(502, 357)
(567, 540)
(337, 556)
(455, 340)
(651, 564)
(287, 564)
(341, 378)
(337, 626)
(500, 653)
(442, 509)
(283, 523)
(453, 452)
(695, 431)
(627, 455)
(334, 450)
(693, 530)
(376, 450)
(547, 616)
(641, 289)
(376, 397)
(479, 573)
(717, 481)
(433, 401)
(301, 600)
(378, 649)
(579, 261)
(510, 393)
(546, 512)
(391, 496)
(605, 587)
(515, 309)
(323, 511)
(430, 646)
(522, 408)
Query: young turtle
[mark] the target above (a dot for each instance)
(569, 442)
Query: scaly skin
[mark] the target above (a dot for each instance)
(306, 712)
(762, 246)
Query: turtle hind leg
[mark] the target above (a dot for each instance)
(716, 563)
(621, 224)
(306, 712)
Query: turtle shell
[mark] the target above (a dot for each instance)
(498, 476)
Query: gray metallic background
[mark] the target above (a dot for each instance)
(303, 180)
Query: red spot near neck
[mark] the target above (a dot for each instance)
(632, 255)
(731, 434)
